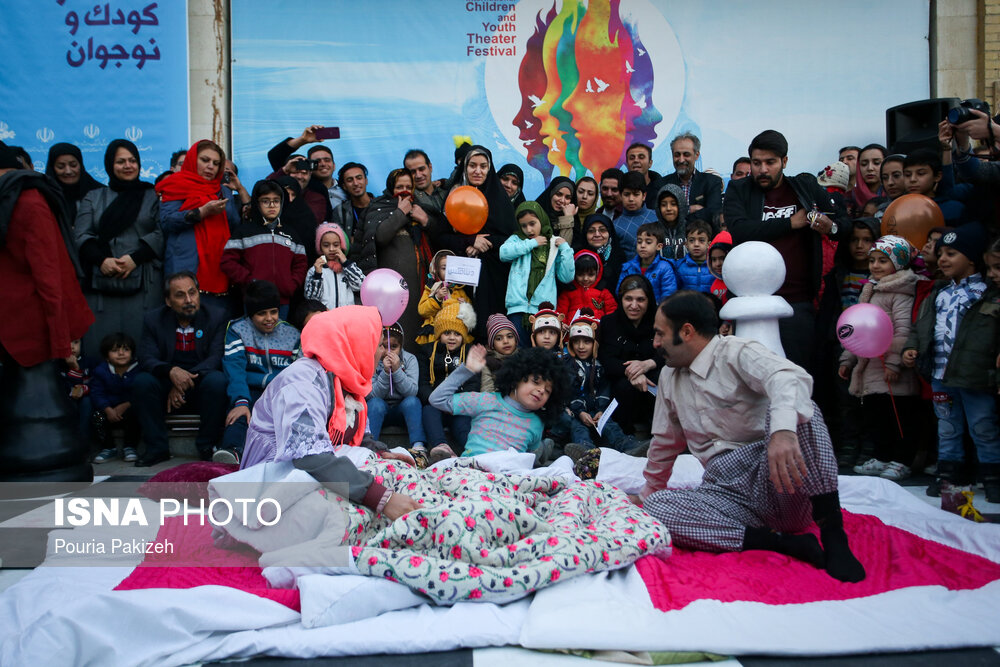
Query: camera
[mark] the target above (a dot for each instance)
(308, 165)
(963, 112)
(228, 176)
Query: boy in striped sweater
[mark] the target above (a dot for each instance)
(258, 347)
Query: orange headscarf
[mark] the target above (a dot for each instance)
(210, 233)
(343, 341)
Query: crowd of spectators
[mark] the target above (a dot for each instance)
(200, 287)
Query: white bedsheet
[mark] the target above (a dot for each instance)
(70, 616)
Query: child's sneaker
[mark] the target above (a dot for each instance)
(576, 450)
(640, 449)
(130, 455)
(895, 472)
(440, 453)
(872, 467)
(106, 455)
(419, 453)
(545, 452)
(230, 456)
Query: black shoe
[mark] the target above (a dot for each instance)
(934, 488)
(149, 460)
(991, 481)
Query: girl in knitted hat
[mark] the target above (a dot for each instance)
(439, 359)
(502, 341)
(892, 287)
(437, 292)
(333, 280)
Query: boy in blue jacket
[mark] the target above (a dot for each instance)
(648, 262)
(258, 347)
(110, 387)
(692, 270)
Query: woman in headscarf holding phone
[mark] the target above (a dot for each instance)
(196, 214)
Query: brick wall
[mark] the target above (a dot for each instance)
(988, 83)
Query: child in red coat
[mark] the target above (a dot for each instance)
(588, 273)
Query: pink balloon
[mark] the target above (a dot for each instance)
(865, 330)
(386, 290)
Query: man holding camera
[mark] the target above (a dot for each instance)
(972, 121)
(319, 161)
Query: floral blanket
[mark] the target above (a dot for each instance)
(497, 537)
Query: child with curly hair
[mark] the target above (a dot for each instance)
(531, 390)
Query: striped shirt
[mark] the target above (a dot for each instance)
(950, 307)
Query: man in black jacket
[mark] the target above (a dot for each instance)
(180, 355)
(703, 191)
(792, 214)
(322, 180)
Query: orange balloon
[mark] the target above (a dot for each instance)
(912, 217)
(466, 209)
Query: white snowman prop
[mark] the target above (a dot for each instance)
(755, 271)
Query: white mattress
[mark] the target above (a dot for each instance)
(71, 616)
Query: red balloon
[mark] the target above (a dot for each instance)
(466, 209)
(912, 217)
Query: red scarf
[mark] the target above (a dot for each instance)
(210, 233)
(343, 341)
(861, 194)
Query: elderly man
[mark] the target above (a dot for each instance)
(745, 413)
(703, 191)
(180, 357)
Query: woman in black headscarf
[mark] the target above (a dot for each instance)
(598, 234)
(65, 166)
(559, 203)
(121, 247)
(478, 171)
(512, 179)
(625, 349)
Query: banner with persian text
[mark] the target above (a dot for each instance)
(564, 86)
(86, 73)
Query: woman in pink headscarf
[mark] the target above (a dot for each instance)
(318, 403)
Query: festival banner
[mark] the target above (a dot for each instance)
(88, 73)
(564, 86)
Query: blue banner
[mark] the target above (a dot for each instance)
(88, 73)
(564, 86)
